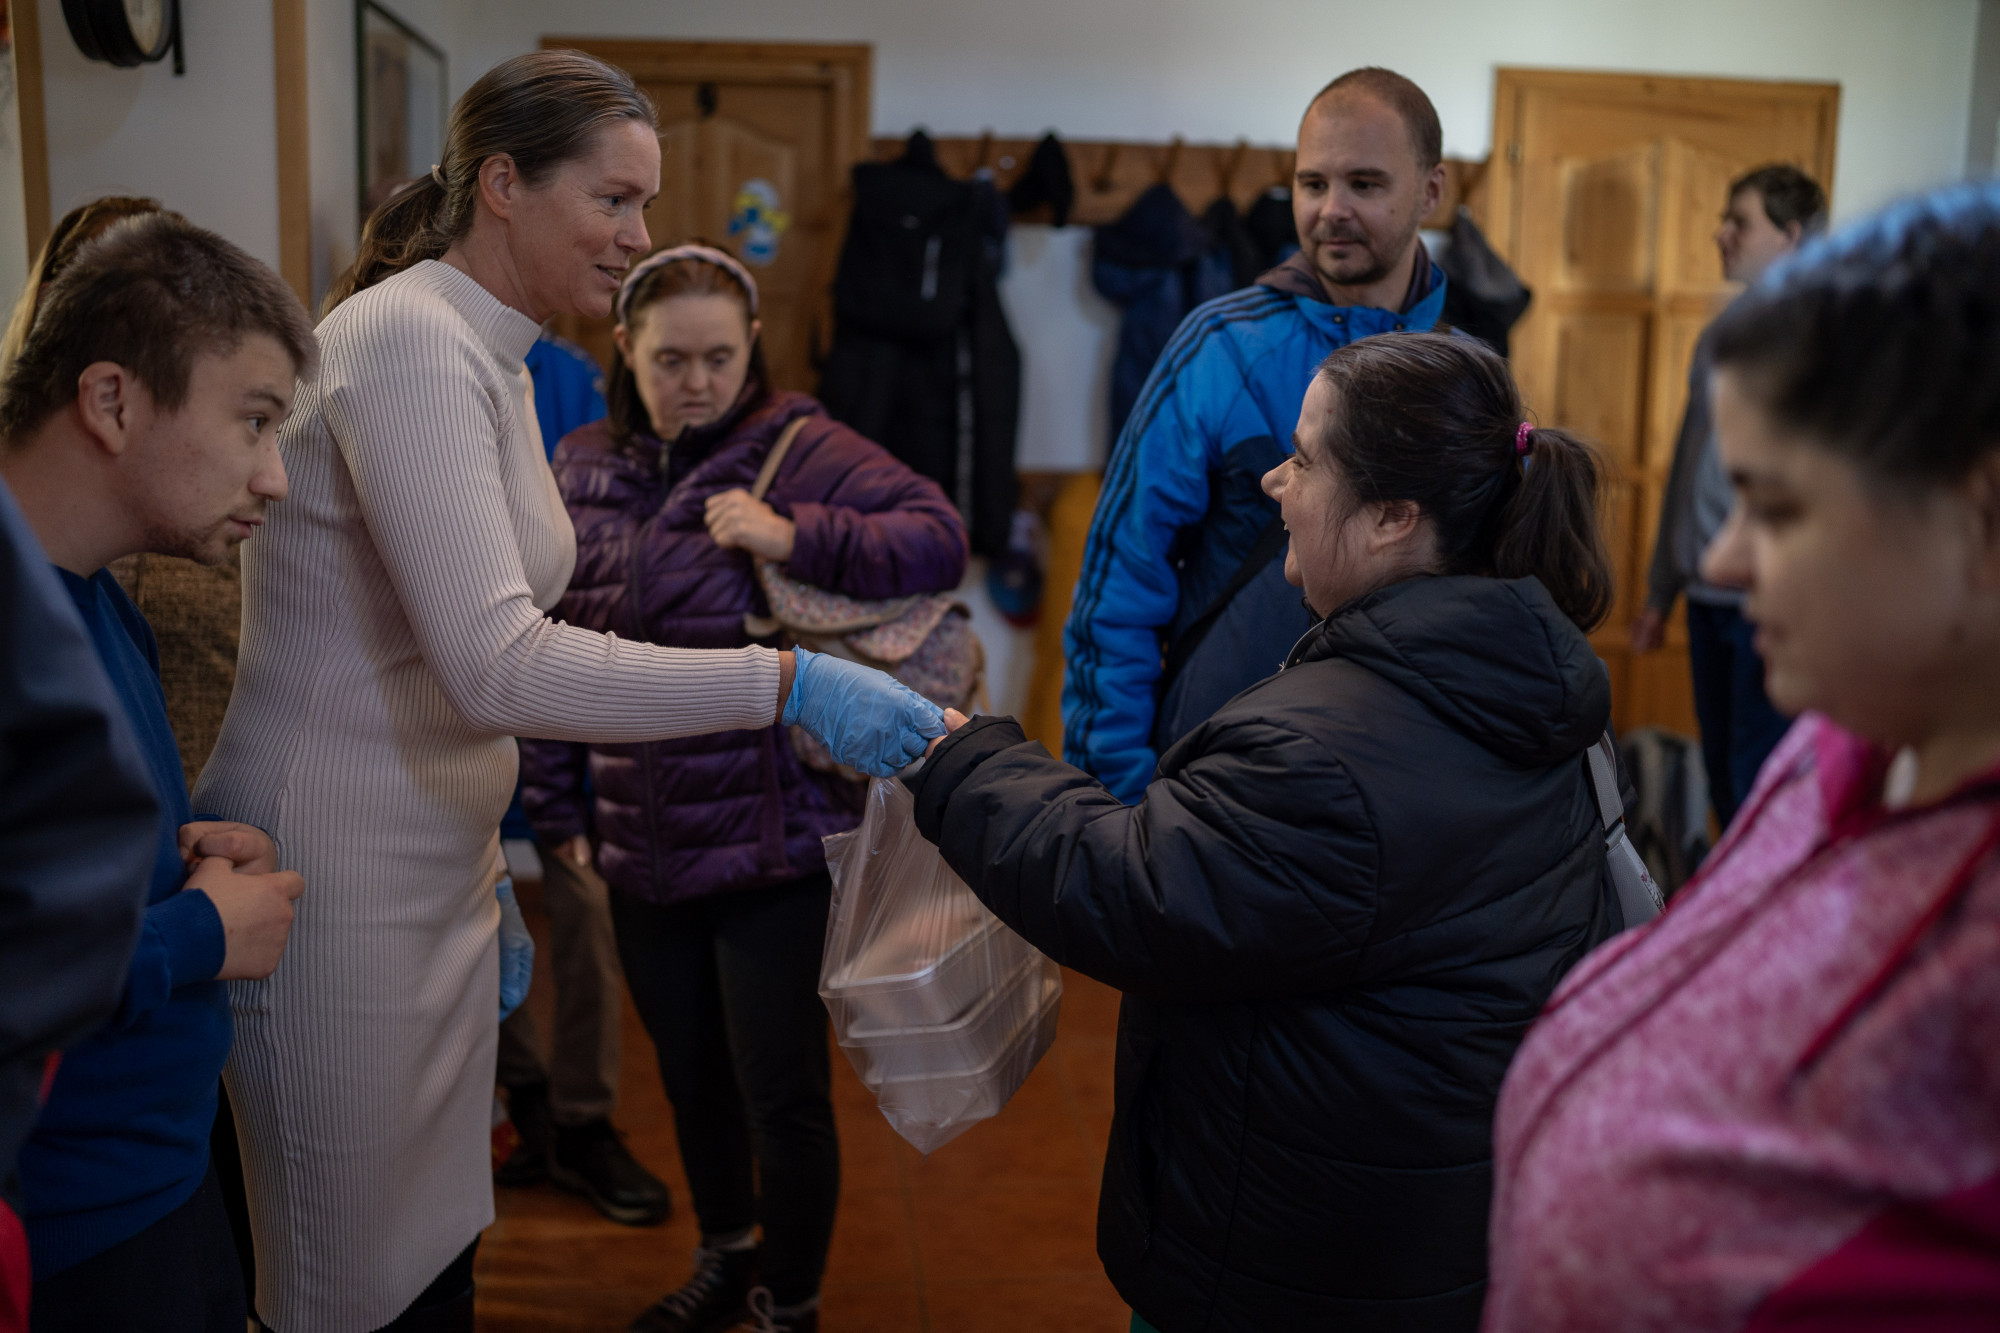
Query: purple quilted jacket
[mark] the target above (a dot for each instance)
(681, 819)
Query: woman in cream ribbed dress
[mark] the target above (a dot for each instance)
(393, 642)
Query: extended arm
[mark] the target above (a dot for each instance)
(1250, 872)
(421, 438)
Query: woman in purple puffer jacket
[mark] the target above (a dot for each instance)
(711, 844)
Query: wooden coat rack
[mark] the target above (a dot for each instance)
(1111, 173)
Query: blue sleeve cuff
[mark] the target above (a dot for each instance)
(190, 930)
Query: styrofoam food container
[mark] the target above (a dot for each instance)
(966, 1044)
(942, 990)
(974, 1094)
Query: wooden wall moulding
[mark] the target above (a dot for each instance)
(27, 25)
(1111, 173)
(288, 27)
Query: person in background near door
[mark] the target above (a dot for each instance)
(1778, 1106)
(1346, 895)
(561, 1103)
(142, 414)
(1182, 601)
(712, 844)
(78, 825)
(1771, 210)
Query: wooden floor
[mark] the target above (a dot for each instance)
(995, 1231)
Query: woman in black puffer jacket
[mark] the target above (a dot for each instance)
(1346, 895)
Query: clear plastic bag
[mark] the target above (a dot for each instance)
(942, 1010)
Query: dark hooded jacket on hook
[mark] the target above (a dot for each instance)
(1341, 902)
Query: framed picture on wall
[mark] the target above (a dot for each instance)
(401, 95)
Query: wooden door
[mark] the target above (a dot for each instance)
(756, 142)
(1605, 196)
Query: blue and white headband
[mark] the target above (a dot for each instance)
(705, 254)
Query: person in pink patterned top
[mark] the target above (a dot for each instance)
(1778, 1106)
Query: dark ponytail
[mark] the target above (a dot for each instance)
(541, 109)
(1435, 420)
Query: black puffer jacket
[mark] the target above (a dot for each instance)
(1336, 911)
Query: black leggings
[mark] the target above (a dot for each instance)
(728, 988)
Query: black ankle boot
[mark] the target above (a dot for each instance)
(592, 1160)
(711, 1301)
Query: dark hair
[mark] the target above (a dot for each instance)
(683, 277)
(1432, 419)
(1404, 98)
(151, 294)
(1879, 342)
(79, 226)
(1789, 196)
(541, 109)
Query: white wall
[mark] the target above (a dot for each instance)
(1216, 69)
(204, 144)
(332, 115)
(1208, 69)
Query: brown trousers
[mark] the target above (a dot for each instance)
(581, 1061)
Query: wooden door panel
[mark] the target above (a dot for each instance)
(1604, 197)
(1696, 179)
(677, 212)
(1609, 206)
(759, 136)
(1600, 374)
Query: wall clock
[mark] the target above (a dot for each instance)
(126, 33)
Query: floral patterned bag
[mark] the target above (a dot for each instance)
(926, 640)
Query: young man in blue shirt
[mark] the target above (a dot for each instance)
(142, 415)
(1183, 602)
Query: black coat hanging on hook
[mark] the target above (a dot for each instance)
(922, 360)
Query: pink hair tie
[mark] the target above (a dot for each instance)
(705, 254)
(1521, 438)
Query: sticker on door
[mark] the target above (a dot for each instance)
(756, 222)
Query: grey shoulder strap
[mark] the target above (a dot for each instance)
(1639, 898)
(1604, 782)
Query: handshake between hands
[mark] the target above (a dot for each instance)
(236, 865)
(867, 719)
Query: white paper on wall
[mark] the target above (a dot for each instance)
(1067, 334)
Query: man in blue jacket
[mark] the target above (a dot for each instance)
(1183, 601)
(141, 415)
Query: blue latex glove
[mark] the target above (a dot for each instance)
(517, 950)
(866, 718)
